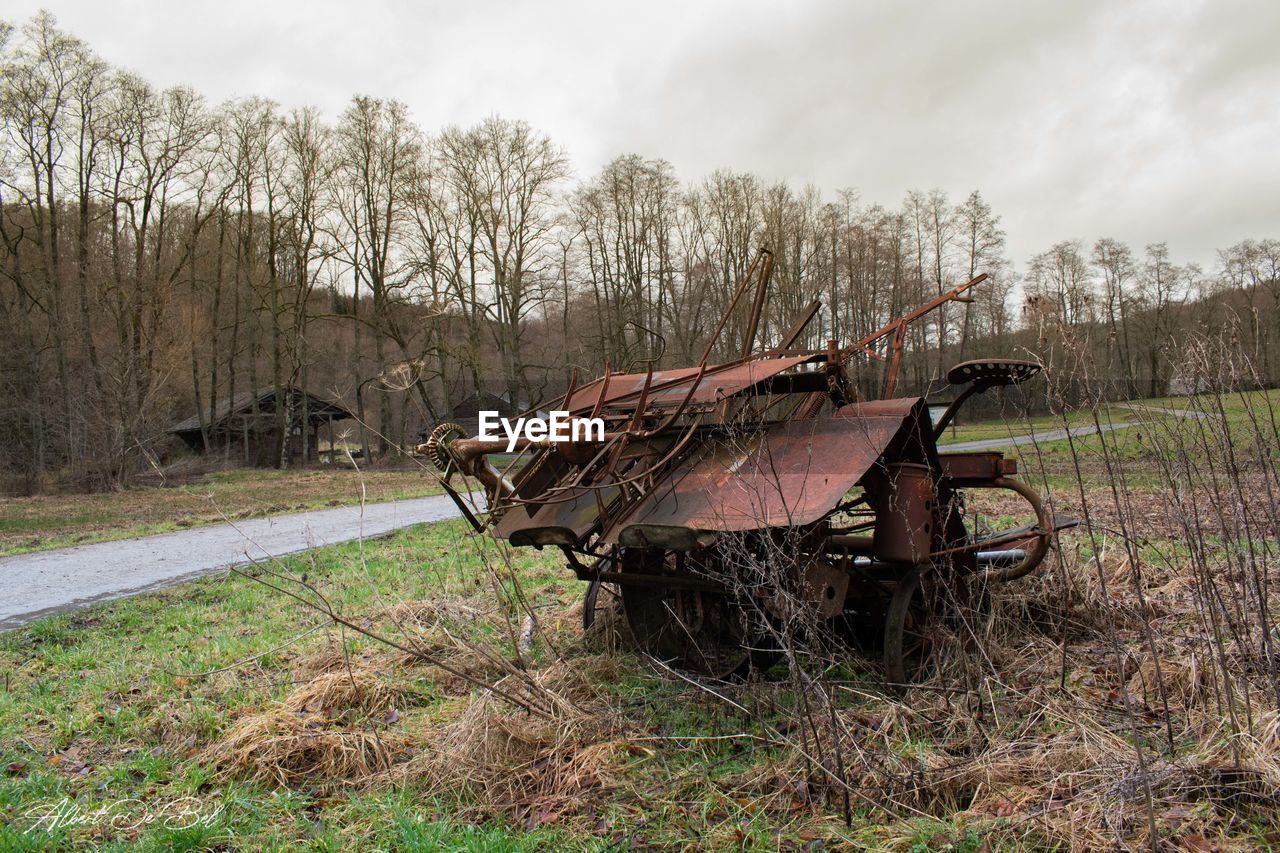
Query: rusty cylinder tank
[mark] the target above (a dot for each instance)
(907, 513)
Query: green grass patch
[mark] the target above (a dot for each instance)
(107, 706)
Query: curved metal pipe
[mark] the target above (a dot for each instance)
(1035, 555)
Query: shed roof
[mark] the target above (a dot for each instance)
(482, 400)
(242, 403)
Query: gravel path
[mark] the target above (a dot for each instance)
(1042, 436)
(48, 582)
(1073, 432)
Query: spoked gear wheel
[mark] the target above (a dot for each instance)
(908, 627)
(437, 445)
(599, 598)
(704, 632)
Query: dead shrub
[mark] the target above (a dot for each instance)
(281, 747)
(330, 729)
(526, 766)
(344, 694)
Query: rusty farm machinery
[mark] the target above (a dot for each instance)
(725, 499)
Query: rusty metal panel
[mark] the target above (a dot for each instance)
(623, 385)
(964, 469)
(793, 473)
(570, 513)
(574, 513)
(671, 387)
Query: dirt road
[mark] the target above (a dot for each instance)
(47, 582)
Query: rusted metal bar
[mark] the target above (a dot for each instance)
(895, 361)
(916, 313)
(757, 304)
(802, 321)
(733, 303)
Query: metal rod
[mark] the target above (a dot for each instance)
(733, 303)
(797, 328)
(757, 304)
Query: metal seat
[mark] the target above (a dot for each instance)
(981, 375)
(988, 373)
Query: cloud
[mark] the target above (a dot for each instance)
(1144, 121)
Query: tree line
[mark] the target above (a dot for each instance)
(161, 255)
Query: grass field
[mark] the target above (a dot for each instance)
(158, 683)
(225, 714)
(1149, 412)
(1156, 428)
(1022, 425)
(171, 721)
(135, 717)
(54, 521)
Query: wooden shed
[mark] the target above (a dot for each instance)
(466, 413)
(246, 425)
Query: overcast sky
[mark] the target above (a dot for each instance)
(1142, 121)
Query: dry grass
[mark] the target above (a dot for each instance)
(51, 521)
(1025, 731)
(342, 694)
(340, 726)
(1027, 727)
(286, 748)
(333, 728)
(530, 768)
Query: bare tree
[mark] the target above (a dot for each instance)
(625, 219)
(378, 150)
(1059, 285)
(504, 174)
(40, 83)
(159, 190)
(1115, 261)
(981, 241)
(1162, 287)
(308, 202)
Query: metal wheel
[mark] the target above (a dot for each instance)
(1040, 544)
(702, 632)
(708, 633)
(907, 637)
(599, 595)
